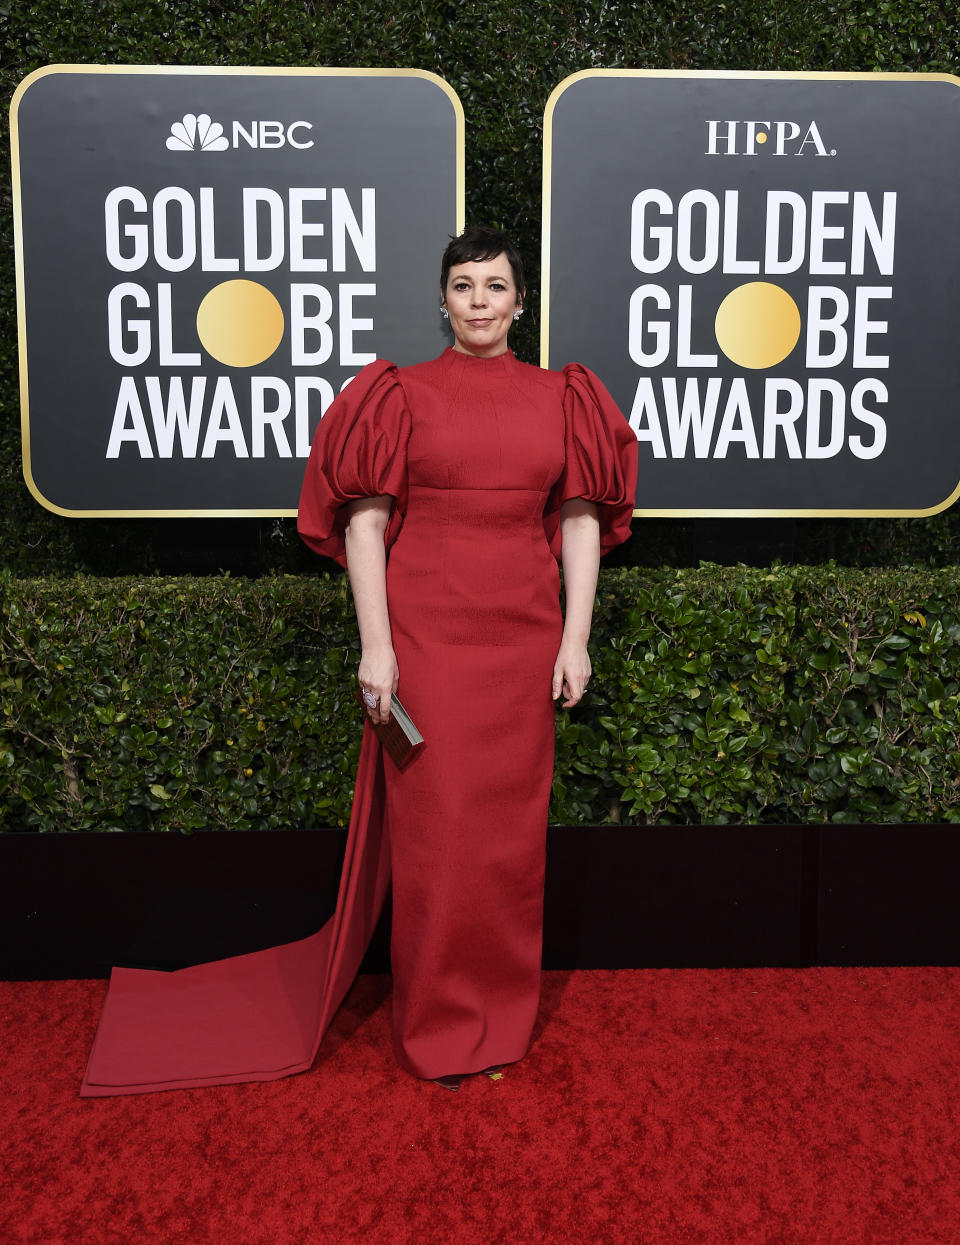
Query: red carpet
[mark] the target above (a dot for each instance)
(659, 1106)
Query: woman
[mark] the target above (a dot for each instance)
(468, 470)
(474, 471)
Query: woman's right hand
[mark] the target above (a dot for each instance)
(367, 519)
(379, 675)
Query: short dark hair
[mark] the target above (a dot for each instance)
(476, 244)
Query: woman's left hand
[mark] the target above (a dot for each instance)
(571, 672)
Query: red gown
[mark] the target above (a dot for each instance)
(479, 455)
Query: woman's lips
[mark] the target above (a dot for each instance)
(479, 324)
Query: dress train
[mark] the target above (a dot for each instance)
(254, 1017)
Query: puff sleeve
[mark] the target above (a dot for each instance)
(600, 464)
(359, 450)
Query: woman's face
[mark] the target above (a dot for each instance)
(481, 298)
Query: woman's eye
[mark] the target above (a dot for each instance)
(498, 286)
(461, 286)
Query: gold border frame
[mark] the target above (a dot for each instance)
(188, 71)
(776, 75)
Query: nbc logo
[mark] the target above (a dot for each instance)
(197, 133)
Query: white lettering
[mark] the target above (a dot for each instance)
(777, 202)
(172, 419)
(864, 327)
(881, 236)
(301, 230)
(737, 423)
(662, 235)
(817, 390)
(299, 125)
(714, 137)
(209, 260)
(363, 237)
(731, 263)
(116, 326)
(224, 405)
(821, 232)
(786, 132)
(785, 421)
(868, 417)
(834, 232)
(137, 234)
(685, 355)
(301, 324)
(752, 126)
(820, 325)
(128, 404)
(691, 416)
(255, 198)
(271, 134)
(637, 326)
(819, 432)
(178, 229)
(168, 356)
(248, 136)
(350, 324)
(185, 226)
(263, 416)
(180, 423)
(709, 230)
(812, 136)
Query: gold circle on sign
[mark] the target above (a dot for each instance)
(757, 325)
(240, 323)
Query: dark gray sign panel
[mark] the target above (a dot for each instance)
(204, 258)
(764, 269)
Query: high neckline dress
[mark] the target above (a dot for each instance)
(479, 456)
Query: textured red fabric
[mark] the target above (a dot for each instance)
(365, 434)
(600, 459)
(490, 447)
(251, 1017)
(803, 1107)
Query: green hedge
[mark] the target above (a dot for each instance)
(720, 695)
(176, 704)
(503, 59)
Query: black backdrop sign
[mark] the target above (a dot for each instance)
(205, 257)
(764, 268)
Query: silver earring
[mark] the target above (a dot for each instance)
(517, 314)
(445, 313)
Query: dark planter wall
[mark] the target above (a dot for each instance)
(680, 896)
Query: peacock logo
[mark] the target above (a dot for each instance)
(197, 133)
